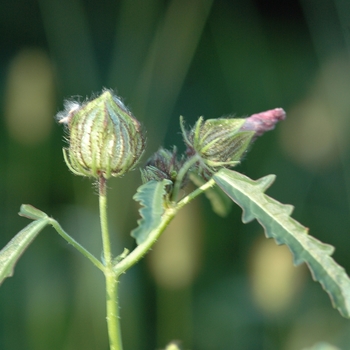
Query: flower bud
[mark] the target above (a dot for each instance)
(264, 121)
(218, 142)
(222, 142)
(104, 138)
(163, 164)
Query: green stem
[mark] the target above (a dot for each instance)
(135, 255)
(76, 245)
(168, 215)
(114, 333)
(195, 193)
(182, 173)
(145, 246)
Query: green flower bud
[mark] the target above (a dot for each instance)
(104, 138)
(152, 173)
(163, 164)
(217, 142)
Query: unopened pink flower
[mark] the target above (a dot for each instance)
(264, 121)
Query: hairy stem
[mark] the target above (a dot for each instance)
(114, 333)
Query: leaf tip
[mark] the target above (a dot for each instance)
(30, 212)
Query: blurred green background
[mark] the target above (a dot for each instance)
(211, 282)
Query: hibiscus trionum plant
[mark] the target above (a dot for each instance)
(105, 140)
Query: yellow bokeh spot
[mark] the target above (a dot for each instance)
(274, 278)
(29, 97)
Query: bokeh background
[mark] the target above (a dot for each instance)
(211, 282)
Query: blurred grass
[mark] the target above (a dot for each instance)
(167, 58)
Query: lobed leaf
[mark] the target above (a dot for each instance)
(151, 197)
(276, 220)
(10, 254)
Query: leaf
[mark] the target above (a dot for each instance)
(151, 197)
(10, 254)
(30, 212)
(276, 220)
(220, 203)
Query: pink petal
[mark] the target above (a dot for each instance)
(264, 121)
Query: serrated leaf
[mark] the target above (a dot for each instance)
(276, 220)
(220, 203)
(30, 212)
(10, 254)
(151, 197)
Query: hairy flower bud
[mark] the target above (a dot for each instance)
(104, 137)
(217, 142)
(163, 164)
(222, 142)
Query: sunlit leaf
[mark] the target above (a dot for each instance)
(10, 254)
(276, 220)
(151, 197)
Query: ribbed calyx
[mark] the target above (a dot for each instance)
(217, 142)
(105, 139)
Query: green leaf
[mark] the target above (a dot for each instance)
(30, 212)
(151, 197)
(220, 203)
(276, 220)
(10, 254)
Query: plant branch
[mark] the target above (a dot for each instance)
(195, 193)
(168, 215)
(145, 246)
(76, 245)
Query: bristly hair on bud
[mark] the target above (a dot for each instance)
(163, 164)
(70, 107)
(222, 142)
(217, 143)
(105, 139)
